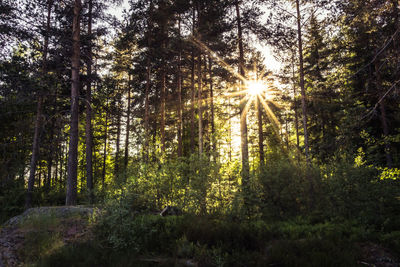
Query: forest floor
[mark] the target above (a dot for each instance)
(38, 232)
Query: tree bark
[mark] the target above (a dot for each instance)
(147, 90)
(179, 81)
(117, 143)
(243, 120)
(128, 126)
(199, 84)
(296, 115)
(103, 173)
(73, 140)
(88, 126)
(192, 70)
(303, 91)
(260, 133)
(163, 82)
(383, 118)
(213, 137)
(35, 154)
(199, 101)
(36, 136)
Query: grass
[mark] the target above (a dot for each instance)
(218, 242)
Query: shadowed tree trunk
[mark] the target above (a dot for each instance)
(213, 137)
(383, 118)
(73, 139)
(192, 72)
(88, 127)
(148, 71)
(128, 125)
(103, 173)
(117, 143)
(163, 81)
(199, 84)
(243, 120)
(36, 136)
(303, 91)
(260, 133)
(296, 115)
(179, 81)
(199, 100)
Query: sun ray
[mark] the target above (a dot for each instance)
(247, 107)
(271, 115)
(201, 45)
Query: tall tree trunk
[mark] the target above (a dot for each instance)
(383, 118)
(303, 91)
(103, 173)
(199, 101)
(147, 90)
(36, 136)
(296, 115)
(163, 82)
(260, 133)
(192, 86)
(199, 84)
(128, 126)
(206, 124)
(213, 137)
(88, 127)
(243, 120)
(35, 153)
(73, 139)
(117, 143)
(179, 81)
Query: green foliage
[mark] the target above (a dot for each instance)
(288, 189)
(12, 200)
(214, 241)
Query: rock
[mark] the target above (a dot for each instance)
(12, 238)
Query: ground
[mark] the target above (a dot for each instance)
(38, 232)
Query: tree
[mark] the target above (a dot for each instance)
(88, 128)
(75, 84)
(39, 110)
(243, 120)
(301, 71)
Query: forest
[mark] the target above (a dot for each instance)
(266, 132)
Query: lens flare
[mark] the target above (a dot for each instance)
(255, 88)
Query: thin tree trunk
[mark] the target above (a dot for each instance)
(180, 117)
(73, 140)
(260, 133)
(192, 121)
(243, 119)
(117, 144)
(296, 115)
(199, 101)
(128, 126)
(213, 137)
(36, 136)
(163, 84)
(49, 168)
(199, 85)
(88, 127)
(303, 91)
(206, 125)
(385, 127)
(35, 154)
(148, 71)
(103, 173)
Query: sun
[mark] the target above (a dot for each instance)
(255, 88)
